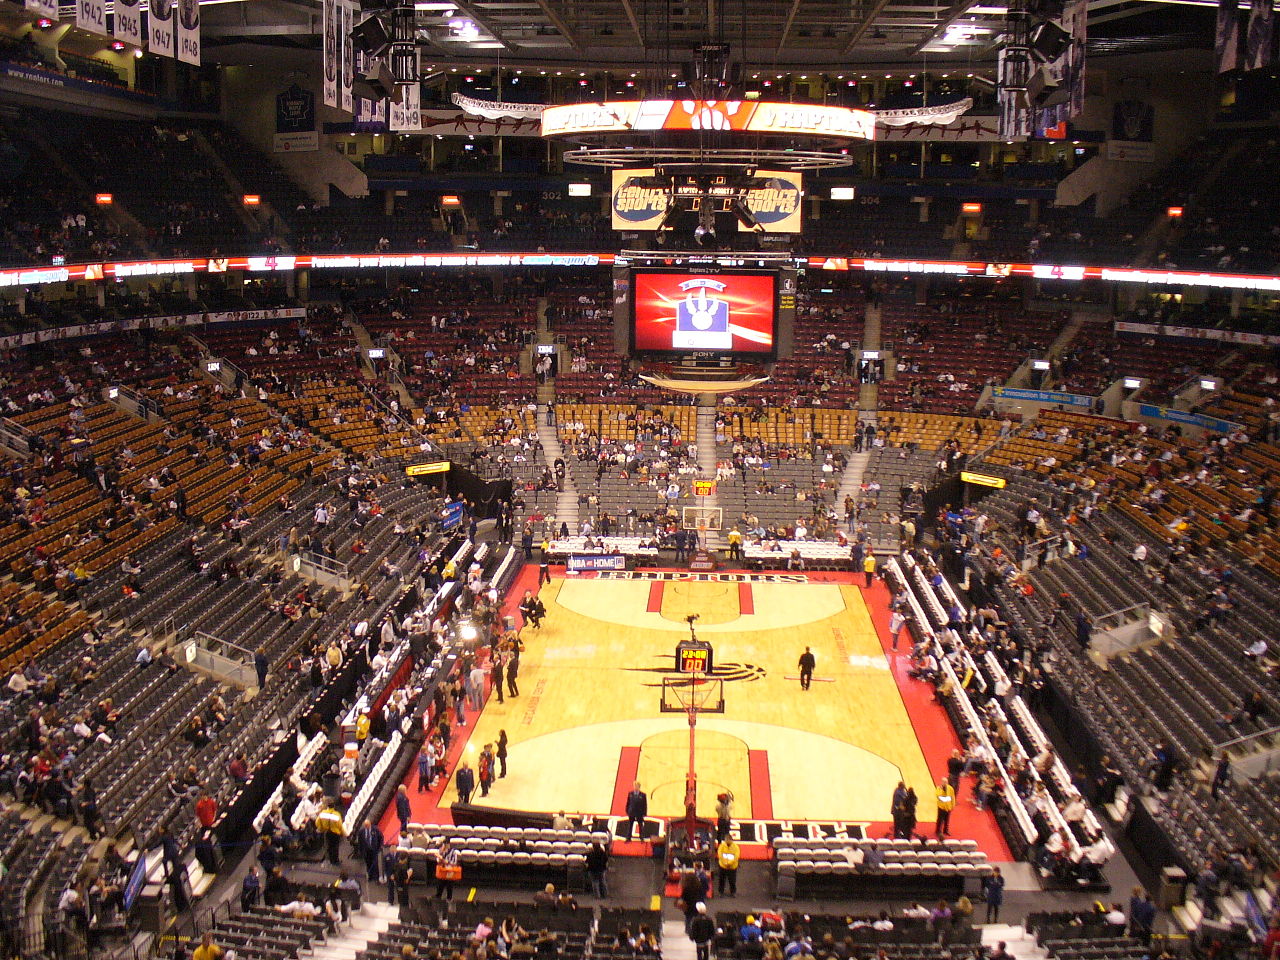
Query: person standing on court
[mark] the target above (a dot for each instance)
(486, 769)
(946, 803)
(513, 671)
(869, 566)
(496, 675)
(475, 688)
(466, 781)
(637, 809)
(728, 859)
(807, 663)
(501, 754)
(724, 814)
(898, 810)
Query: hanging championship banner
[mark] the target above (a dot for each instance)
(91, 15)
(126, 22)
(1226, 43)
(348, 72)
(1260, 42)
(1067, 69)
(189, 32)
(160, 27)
(332, 23)
(406, 116)
(45, 8)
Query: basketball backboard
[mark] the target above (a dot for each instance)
(701, 518)
(696, 693)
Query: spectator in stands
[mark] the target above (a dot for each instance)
(206, 810)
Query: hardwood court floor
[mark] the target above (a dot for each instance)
(590, 684)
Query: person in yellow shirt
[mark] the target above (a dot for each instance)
(208, 950)
(728, 857)
(362, 727)
(946, 803)
(869, 566)
(329, 823)
(735, 544)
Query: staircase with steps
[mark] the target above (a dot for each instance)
(567, 501)
(352, 939)
(854, 470)
(1017, 941)
(869, 393)
(706, 440)
(676, 944)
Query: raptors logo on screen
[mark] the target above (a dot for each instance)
(730, 312)
(702, 318)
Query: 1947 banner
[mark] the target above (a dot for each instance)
(160, 27)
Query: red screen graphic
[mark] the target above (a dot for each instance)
(684, 312)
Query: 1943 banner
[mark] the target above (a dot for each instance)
(126, 22)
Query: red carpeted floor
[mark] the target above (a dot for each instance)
(936, 735)
(426, 804)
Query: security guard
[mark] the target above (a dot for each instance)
(946, 803)
(728, 857)
(329, 822)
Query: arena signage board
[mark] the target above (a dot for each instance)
(426, 469)
(1216, 424)
(36, 275)
(777, 206)
(450, 516)
(1042, 396)
(1198, 333)
(983, 480)
(587, 562)
(746, 116)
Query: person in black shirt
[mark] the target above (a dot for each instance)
(807, 664)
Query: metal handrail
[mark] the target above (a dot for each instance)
(1245, 738)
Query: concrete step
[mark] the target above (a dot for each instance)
(676, 944)
(1017, 941)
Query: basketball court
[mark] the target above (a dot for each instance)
(590, 719)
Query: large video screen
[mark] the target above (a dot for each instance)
(686, 312)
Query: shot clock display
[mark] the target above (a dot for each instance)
(693, 656)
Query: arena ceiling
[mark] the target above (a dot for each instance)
(655, 35)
